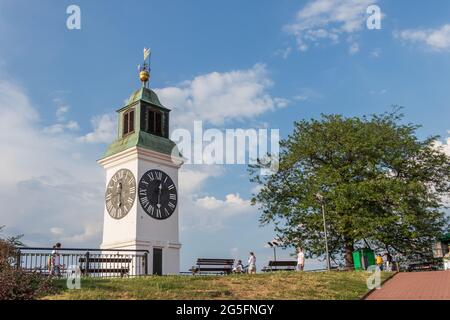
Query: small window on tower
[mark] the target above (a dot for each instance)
(151, 121)
(131, 127)
(154, 122)
(128, 122)
(158, 124)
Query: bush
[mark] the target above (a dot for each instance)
(15, 283)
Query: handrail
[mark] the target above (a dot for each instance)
(83, 249)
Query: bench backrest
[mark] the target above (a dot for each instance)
(282, 263)
(106, 260)
(215, 262)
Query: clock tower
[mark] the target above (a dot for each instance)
(141, 192)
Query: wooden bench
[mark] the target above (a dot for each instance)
(120, 266)
(217, 266)
(424, 266)
(280, 266)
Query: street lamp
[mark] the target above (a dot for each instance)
(320, 198)
(273, 244)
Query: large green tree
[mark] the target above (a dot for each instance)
(381, 186)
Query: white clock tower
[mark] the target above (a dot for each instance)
(141, 197)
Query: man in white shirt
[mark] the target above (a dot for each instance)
(300, 259)
(252, 263)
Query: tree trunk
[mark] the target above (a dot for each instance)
(348, 255)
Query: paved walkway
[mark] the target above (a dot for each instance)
(415, 286)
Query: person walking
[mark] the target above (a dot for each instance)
(379, 261)
(388, 262)
(56, 260)
(300, 259)
(252, 263)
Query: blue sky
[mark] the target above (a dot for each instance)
(59, 89)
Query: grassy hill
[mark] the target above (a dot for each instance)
(279, 285)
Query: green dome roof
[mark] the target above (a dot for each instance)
(147, 95)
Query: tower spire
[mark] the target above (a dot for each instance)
(144, 70)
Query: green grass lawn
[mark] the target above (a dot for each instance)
(277, 285)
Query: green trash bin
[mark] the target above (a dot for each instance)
(363, 258)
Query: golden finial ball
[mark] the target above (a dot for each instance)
(144, 75)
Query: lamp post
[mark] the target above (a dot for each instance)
(321, 201)
(273, 244)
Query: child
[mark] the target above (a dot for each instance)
(56, 262)
(239, 268)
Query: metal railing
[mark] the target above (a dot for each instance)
(105, 263)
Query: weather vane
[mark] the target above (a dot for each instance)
(144, 70)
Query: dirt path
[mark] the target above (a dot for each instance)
(415, 286)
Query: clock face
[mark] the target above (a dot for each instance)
(120, 194)
(157, 194)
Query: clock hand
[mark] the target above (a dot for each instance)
(159, 195)
(119, 193)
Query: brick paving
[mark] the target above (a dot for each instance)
(415, 286)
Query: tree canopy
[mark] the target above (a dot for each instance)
(381, 185)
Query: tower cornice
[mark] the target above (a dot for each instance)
(143, 154)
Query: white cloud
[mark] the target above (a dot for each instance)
(305, 94)
(61, 127)
(328, 20)
(43, 185)
(89, 233)
(376, 53)
(257, 189)
(201, 211)
(215, 98)
(445, 146)
(193, 180)
(435, 39)
(220, 97)
(209, 213)
(284, 53)
(104, 130)
(57, 231)
(61, 112)
(353, 49)
(232, 204)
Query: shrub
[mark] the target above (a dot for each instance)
(15, 283)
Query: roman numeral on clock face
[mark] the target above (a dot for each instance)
(144, 201)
